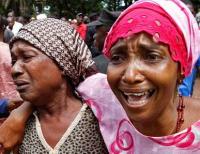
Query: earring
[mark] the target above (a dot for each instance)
(180, 80)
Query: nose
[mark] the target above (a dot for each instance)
(133, 73)
(17, 69)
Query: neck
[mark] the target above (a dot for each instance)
(63, 101)
(162, 124)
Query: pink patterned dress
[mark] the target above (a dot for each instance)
(120, 135)
(7, 86)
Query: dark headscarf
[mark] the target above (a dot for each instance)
(59, 41)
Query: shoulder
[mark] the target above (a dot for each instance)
(18, 24)
(192, 110)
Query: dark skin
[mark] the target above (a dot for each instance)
(141, 73)
(11, 19)
(192, 106)
(51, 95)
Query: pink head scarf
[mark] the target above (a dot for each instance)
(168, 21)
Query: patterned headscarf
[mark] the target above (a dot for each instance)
(58, 40)
(168, 21)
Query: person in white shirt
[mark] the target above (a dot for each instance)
(13, 25)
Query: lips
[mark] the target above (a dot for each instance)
(21, 85)
(138, 98)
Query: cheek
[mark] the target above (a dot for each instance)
(165, 76)
(114, 74)
(44, 72)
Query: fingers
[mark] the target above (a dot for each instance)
(14, 103)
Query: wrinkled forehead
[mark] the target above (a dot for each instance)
(139, 40)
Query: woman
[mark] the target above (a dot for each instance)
(49, 60)
(151, 47)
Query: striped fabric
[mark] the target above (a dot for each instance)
(58, 40)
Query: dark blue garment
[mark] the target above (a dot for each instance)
(4, 108)
(186, 88)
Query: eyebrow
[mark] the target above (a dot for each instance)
(150, 47)
(118, 45)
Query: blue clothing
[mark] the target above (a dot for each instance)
(186, 88)
(4, 108)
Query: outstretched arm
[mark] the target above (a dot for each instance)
(12, 129)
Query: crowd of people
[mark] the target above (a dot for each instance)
(118, 84)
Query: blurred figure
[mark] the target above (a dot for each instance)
(13, 25)
(21, 20)
(63, 19)
(81, 26)
(86, 19)
(102, 25)
(198, 17)
(5, 34)
(74, 23)
(91, 30)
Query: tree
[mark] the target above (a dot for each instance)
(21, 7)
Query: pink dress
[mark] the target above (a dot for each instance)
(120, 135)
(7, 87)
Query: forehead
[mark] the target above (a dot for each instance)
(22, 46)
(140, 42)
(136, 40)
(10, 14)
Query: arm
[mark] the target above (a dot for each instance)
(12, 130)
(6, 106)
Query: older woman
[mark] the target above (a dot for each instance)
(152, 46)
(49, 60)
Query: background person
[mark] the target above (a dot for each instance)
(13, 25)
(81, 26)
(5, 34)
(102, 26)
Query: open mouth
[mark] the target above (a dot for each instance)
(137, 99)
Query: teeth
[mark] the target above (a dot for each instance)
(138, 98)
(138, 94)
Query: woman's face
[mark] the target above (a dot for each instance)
(143, 77)
(37, 77)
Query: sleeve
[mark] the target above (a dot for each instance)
(3, 108)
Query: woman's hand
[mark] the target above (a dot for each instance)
(11, 133)
(12, 129)
(14, 103)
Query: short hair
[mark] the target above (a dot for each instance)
(3, 23)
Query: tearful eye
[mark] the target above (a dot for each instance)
(27, 58)
(116, 59)
(152, 57)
